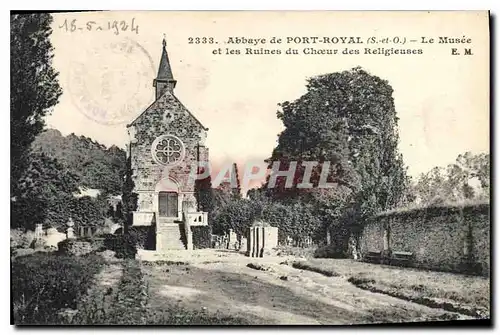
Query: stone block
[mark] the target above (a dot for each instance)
(75, 248)
(261, 241)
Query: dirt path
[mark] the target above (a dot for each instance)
(228, 287)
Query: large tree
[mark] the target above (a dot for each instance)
(466, 179)
(45, 194)
(34, 88)
(222, 202)
(348, 119)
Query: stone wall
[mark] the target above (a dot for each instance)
(452, 239)
(76, 248)
(479, 221)
(372, 238)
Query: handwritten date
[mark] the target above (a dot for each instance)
(115, 26)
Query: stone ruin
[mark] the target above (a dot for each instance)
(70, 231)
(262, 238)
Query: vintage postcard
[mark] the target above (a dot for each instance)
(250, 168)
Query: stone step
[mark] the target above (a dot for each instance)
(171, 229)
(166, 220)
(171, 238)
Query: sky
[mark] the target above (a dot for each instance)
(442, 100)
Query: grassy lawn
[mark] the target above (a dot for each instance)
(179, 315)
(45, 283)
(167, 308)
(469, 295)
(111, 291)
(128, 304)
(268, 293)
(89, 289)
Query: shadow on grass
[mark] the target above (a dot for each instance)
(308, 267)
(252, 300)
(418, 294)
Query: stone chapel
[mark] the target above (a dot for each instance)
(166, 141)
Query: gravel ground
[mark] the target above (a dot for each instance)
(220, 283)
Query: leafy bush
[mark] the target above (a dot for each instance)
(236, 214)
(45, 194)
(330, 251)
(95, 243)
(22, 252)
(86, 211)
(297, 221)
(129, 197)
(84, 239)
(106, 236)
(294, 251)
(202, 236)
(123, 245)
(98, 244)
(20, 239)
(145, 236)
(43, 283)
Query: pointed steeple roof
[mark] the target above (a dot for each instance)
(164, 71)
(163, 83)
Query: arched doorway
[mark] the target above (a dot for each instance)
(168, 198)
(168, 203)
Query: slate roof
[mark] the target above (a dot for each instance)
(164, 70)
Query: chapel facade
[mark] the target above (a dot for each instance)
(166, 142)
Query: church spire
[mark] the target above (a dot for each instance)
(165, 79)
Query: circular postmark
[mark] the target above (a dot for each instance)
(113, 82)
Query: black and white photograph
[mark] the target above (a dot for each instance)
(184, 168)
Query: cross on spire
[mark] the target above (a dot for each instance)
(165, 79)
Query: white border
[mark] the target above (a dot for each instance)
(492, 5)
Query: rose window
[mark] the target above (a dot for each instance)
(168, 150)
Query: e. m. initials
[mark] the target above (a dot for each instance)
(452, 40)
